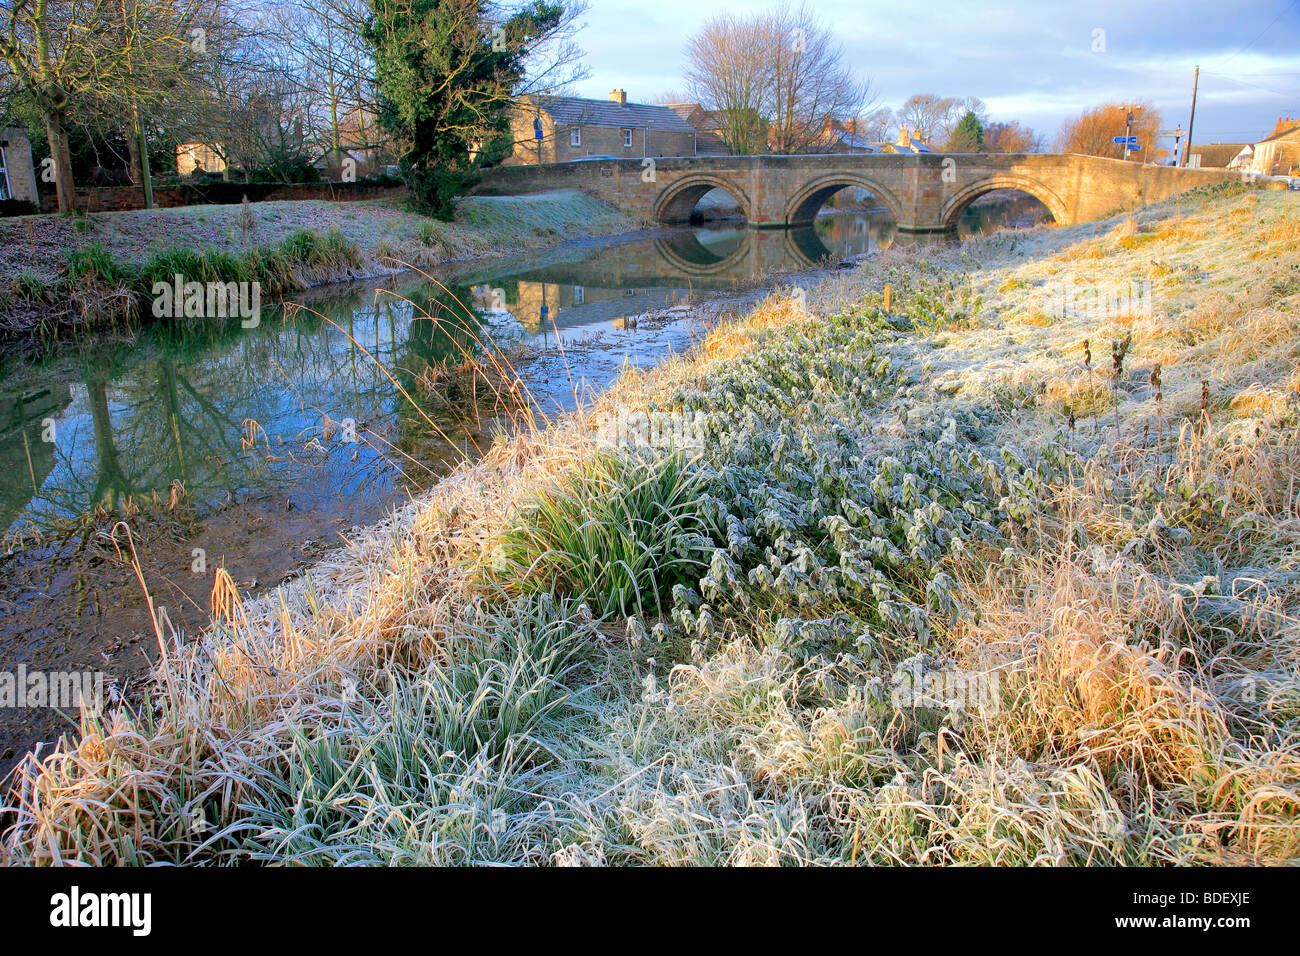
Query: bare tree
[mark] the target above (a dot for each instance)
(729, 73)
(932, 119)
(926, 115)
(1011, 138)
(325, 56)
(875, 126)
(72, 56)
(775, 78)
(810, 81)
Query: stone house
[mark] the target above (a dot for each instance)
(709, 127)
(1279, 153)
(17, 175)
(198, 156)
(559, 129)
(905, 143)
(838, 137)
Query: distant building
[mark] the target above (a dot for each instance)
(1278, 154)
(198, 156)
(904, 144)
(559, 129)
(838, 137)
(1219, 156)
(1243, 159)
(710, 130)
(17, 175)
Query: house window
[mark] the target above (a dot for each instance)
(579, 295)
(4, 176)
(575, 136)
(627, 139)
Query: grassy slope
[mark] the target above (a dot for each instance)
(879, 493)
(380, 228)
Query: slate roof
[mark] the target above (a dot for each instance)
(575, 111)
(852, 141)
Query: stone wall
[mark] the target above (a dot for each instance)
(121, 198)
(18, 161)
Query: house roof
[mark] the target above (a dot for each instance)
(852, 141)
(1284, 131)
(574, 111)
(1286, 157)
(1217, 155)
(695, 114)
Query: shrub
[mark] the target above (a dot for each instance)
(18, 207)
(620, 532)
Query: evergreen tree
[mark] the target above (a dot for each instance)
(446, 71)
(968, 136)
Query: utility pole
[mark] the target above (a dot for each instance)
(1187, 150)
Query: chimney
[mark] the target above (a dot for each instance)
(618, 96)
(829, 129)
(903, 138)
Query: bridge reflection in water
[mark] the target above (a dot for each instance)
(606, 284)
(626, 278)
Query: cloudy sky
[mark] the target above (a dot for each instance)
(1030, 60)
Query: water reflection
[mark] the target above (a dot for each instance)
(320, 403)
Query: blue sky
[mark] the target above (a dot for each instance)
(1031, 61)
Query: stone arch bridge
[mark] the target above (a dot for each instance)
(925, 193)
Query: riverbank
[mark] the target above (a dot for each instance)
(71, 272)
(943, 583)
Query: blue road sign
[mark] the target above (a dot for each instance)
(1130, 141)
(1133, 147)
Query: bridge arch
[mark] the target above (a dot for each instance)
(957, 203)
(809, 198)
(676, 202)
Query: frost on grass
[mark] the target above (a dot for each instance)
(1095, 585)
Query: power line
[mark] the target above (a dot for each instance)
(1232, 56)
(1252, 85)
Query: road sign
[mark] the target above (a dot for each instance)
(1133, 147)
(1119, 140)
(1172, 132)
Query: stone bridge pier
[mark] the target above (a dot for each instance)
(925, 193)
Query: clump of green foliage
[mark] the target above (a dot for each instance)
(621, 533)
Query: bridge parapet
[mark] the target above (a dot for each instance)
(925, 193)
